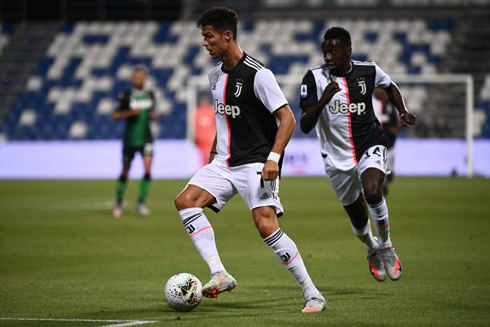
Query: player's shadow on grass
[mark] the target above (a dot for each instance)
(253, 303)
(341, 293)
(236, 306)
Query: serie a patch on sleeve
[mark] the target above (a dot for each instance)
(304, 91)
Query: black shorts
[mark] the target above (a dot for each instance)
(129, 152)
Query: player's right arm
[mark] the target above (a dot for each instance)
(123, 110)
(311, 107)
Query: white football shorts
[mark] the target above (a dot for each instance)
(391, 160)
(224, 182)
(348, 184)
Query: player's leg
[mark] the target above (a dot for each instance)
(373, 176)
(147, 155)
(348, 190)
(390, 175)
(262, 197)
(373, 179)
(128, 155)
(206, 189)
(288, 254)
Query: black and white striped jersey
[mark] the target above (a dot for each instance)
(347, 126)
(245, 99)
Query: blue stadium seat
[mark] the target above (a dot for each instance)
(104, 53)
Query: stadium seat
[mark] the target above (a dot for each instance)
(5, 31)
(88, 63)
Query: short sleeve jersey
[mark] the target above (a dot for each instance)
(137, 131)
(347, 125)
(244, 101)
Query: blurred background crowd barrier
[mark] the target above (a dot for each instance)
(61, 72)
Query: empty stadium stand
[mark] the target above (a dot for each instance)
(73, 89)
(5, 31)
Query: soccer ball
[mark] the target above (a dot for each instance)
(183, 292)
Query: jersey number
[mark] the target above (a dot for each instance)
(375, 151)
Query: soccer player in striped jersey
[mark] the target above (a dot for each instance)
(336, 97)
(137, 108)
(253, 126)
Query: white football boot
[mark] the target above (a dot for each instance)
(376, 265)
(117, 211)
(392, 263)
(143, 209)
(220, 282)
(314, 304)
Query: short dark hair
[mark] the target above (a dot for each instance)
(337, 33)
(140, 68)
(221, 18)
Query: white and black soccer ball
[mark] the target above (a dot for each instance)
(183, 292)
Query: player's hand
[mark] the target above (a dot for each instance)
(270, 170)
(329, 92)
(407, 118)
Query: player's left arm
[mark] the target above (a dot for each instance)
(287, 122)
(406, 117)
(269, 93)
(384, 81)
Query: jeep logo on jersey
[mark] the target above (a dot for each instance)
(362, 84)
(233, 111)
(142, 104)
(344, 108)
(238, 85)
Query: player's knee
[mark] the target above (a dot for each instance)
(185, 200)
(266, 226)
(147, 176)
(180, 202)
(374, 196)
(266, 229)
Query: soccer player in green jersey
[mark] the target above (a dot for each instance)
(137, 107)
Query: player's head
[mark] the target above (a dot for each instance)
(204, 100)
(337, 49)
(219, 29)
(139, 77)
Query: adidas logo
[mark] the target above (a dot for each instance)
(214, 87)
(265, 196)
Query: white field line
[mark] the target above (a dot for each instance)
(114, 323)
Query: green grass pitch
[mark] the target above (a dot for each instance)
(62, 255)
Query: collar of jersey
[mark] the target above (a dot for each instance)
(238, 63)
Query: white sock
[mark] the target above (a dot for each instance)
(379, 215)
(366, 236)
(202, 235)
(287, 252)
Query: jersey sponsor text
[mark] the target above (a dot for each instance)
(219, 108)
(143, 104)
(344, 108)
